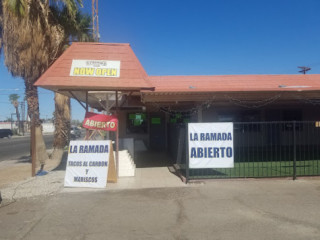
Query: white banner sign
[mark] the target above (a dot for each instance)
(95, 68)
(87, 164)
(210, 145)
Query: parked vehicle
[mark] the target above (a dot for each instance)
(75, 132)
(5, 133)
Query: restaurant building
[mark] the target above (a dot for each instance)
(153, 109)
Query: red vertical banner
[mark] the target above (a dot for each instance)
(100, 122)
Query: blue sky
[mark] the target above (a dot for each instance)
(203, 37)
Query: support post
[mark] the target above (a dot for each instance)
(294, 177)
(187, 153)
(200, 114)
(117, 137)
(33, 147)
(107, 107)
(87, 108)
(74, 96)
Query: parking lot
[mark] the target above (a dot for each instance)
(219, 209)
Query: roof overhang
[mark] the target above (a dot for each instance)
(167, 97)
(204, 88)
(130, 77)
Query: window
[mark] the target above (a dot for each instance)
(137, 123)
(179, 118)
(292, 115)
(250, 119)
(227, 116)
(250, 116)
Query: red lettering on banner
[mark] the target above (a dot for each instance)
(100, 122)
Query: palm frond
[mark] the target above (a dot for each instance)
(18, 7)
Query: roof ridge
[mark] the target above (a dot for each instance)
(233, 75)
(99, 43)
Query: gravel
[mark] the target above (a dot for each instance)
(46, 185)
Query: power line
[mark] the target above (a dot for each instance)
(10, 89)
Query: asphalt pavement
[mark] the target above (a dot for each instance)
(221, 209)
(18, 147)
(156, 205)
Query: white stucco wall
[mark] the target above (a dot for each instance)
(46, 127)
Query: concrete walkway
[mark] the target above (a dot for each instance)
(154, 170)
(149, 178)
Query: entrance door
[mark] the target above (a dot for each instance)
(157, 131)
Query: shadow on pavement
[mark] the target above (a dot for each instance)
(63, 164)
(147, 159)
(24, 159)
(143, 159)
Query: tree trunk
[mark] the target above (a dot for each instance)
(62, 120)
(33, 112)
(18, 118)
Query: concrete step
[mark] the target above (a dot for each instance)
(126, 164)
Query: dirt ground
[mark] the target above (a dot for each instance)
(12, 171)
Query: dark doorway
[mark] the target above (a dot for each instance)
(157, 131)
(152, 159)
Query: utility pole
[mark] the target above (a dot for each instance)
(95, 21)
(22, 120)
(304, 69)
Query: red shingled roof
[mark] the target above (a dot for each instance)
(134, 77)
(132, 74)
(236, 83)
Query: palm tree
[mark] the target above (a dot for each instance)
(78, 30)
(31, 40)
(13, 98)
